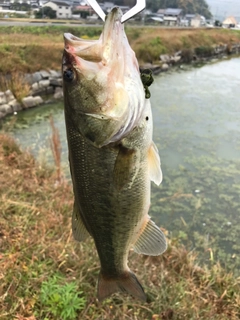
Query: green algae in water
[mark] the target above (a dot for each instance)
(197, 125)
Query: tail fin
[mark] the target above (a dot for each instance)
(126, 282)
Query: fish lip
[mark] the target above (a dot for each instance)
(73, 44)
(77, 49)
(70, 42)
(112, 22)
(113, 37)
(114, 15)
(68, 37)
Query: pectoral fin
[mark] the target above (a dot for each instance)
(154, 165)
(151, 241)
(80, 232)
(126, 167)
(97, 128)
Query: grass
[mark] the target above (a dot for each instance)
(45, 274)
(15, 81)
(29, 49)
(155, 41)
(61, 300)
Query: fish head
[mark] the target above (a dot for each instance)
(101, 79)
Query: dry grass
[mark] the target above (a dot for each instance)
(150, 43)
(29, 57)
(15, 82)
(27, 52)
(36, 243)
(153, 42)
(56, 149)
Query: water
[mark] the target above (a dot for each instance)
(197, 129)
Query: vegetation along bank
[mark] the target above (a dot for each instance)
(24, 51)
(30, 49)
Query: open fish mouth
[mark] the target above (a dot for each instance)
(104, 49)
(108, 75)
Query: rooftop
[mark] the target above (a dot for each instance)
(58, 2)
(172, 12)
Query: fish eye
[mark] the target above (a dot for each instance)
(68, 75)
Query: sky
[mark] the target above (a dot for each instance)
(222, 9)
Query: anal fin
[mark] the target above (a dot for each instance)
(151, 241)
(79, 230)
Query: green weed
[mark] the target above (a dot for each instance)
(61, 300)
(204, 51)
(15, 81)
(150, 51)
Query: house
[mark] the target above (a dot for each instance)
(6, 11)
(5, 6)
(83, 10)
(161, 12)
(230, 22)
(197, 21)
(154, 18)
(188, 18)
(171, 16)
(63, 9)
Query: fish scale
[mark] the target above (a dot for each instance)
(107, 209)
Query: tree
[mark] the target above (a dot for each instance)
(188, 6)
(46, 12)
(154, 5)
(20, 6)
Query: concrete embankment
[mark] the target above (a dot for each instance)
(189, 56)
(42, 84)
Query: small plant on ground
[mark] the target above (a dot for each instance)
(61, 300)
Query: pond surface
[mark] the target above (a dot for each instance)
(197, 129)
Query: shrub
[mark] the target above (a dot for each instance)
(15, 82)
(204, 51)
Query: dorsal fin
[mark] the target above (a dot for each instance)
(154, 165)
(79, 230)
(151, 241)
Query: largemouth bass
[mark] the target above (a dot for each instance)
(111, 153)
